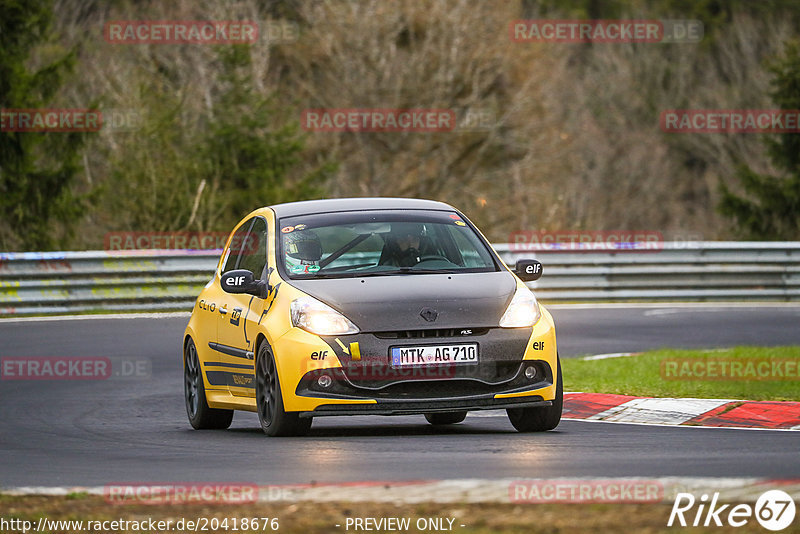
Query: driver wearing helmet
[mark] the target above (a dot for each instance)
(403, 245)
(303, 251)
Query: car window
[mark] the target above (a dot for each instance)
(248, 247)
(235, 246)
(376, 243)
(469, 252)
(253, 256)
(368, 251)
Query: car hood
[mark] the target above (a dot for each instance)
(389, 303)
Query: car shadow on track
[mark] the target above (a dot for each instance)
(393, 430)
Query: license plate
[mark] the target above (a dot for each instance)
(434, 355)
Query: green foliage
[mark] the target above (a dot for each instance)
(771, 208)
(773, 215)
(204, 169)
(38, 206)
(785, 149)
(248, 151)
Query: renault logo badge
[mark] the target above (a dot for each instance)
(429, 314)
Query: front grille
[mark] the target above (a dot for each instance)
(429, 388)
(438, 389)
(371, 375)
(431, 333)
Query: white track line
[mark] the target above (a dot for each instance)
(610, 355)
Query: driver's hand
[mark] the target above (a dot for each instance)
(409, 257)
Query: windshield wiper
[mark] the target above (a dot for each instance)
(345, 268)
(401, 270)
(319, 275)
(411, 270)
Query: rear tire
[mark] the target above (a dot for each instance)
(200, 415)
(540, 419)
(445, 418)
(275, 421)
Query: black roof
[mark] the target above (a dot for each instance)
(309, 207)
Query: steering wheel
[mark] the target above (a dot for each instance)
(433, 257)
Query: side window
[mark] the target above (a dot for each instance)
(236, 247)
(469, 252)
(254, 251)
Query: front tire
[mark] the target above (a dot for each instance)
(275, 421)
(445, 418)
(540, 419)
(200, 415)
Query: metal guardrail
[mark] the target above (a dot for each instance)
(702, 271)
(67, 282)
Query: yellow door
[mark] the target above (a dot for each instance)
(239, 315)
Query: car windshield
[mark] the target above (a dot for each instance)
(381, 243)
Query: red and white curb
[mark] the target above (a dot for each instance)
(506, 490)
(772, 415)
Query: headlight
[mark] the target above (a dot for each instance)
(319, 318)
(522, 311)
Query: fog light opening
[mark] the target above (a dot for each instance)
(324, 381)
(530, 372)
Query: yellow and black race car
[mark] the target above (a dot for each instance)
(368, 306)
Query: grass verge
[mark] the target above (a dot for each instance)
(751, 373)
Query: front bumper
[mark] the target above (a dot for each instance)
(365, 382)
(502, 379)
(412, 407)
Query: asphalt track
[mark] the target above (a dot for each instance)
(124, 430)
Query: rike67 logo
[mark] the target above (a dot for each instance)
(774, 510)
